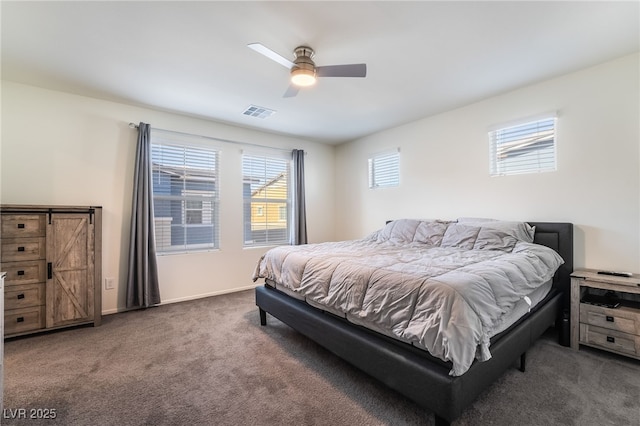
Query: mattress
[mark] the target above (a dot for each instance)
(522, 307)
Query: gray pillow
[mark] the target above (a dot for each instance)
(522, 231)
(460, 236)
(431, 232)
(492, 239)
(399, 231)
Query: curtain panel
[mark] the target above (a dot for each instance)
(142, 280)
(299, 209)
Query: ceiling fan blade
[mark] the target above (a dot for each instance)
(291, 91)
(349, 70)
(271, 54)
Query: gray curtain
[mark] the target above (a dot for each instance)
(142, 281)
(299, 209)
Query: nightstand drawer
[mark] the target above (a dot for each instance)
(23, 225)
(15, 250)
(23, 296)
(27, 272)
(26, 319)
(621, 319)
(610, 339)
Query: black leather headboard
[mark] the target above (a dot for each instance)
(558, 236)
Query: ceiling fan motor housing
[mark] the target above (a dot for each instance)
(304, 58)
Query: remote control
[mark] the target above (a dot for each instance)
(616, 274)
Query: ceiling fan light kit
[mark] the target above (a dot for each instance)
(303, 77)
(304, 71)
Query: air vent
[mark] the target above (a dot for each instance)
(258, 111)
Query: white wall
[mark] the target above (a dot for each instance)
(63, 149)
(445, 166)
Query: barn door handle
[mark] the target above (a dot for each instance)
(49, 270)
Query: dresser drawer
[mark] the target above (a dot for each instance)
(25, 319)
(23, 225)
(15, 250)
(622, 319)
(27, 272)
(612, 340)
(23, 296)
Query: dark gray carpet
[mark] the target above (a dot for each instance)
(209, 361)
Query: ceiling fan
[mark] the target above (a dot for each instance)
(304, 71)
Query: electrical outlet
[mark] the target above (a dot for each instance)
(109, 283)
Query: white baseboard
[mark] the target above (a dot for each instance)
(184, 299)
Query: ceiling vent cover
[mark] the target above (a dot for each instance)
(258, 111)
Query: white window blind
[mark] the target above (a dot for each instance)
(185, 197)
(384, 169)
(529, 147)
(267, 199)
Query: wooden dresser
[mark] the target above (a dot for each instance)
(2, 275)
(53, 259)
(605, 312)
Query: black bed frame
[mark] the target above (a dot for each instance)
(413, 372)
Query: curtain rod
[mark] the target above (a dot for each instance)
(135, 126)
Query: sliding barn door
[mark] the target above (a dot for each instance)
(70, 263)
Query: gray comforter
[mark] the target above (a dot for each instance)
(444, 295)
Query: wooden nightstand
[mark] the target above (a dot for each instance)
(593, 324)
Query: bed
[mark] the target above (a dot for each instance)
(440, 383)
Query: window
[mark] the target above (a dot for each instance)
(185, 197)
(384, 170)
(267, 199)
(524, 148)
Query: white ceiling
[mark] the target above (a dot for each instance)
(422, 57)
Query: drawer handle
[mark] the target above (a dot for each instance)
(20, 319)
(20, 273)
(21, 226)
(20, 248)
(21, 296)
(49, 270)
(611, 339)
(610, 319)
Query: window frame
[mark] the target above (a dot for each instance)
(388, 165)
(528, 146)
(268, 206)
(181, 171)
